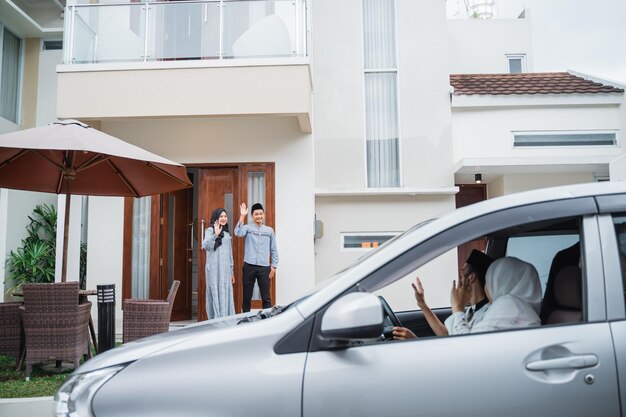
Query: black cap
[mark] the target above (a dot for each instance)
(256, 206)
(479, 261)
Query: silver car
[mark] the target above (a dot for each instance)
(330, 353)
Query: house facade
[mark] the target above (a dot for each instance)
(30, 48)
(350, 120)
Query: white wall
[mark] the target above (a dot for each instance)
(515, 183)
(338, 100)
(425, 121)
(338, 126)
(104, 251)
(480, 46)
(251, 139)
(338, 82)
(367, 214)
(7, 126)
(15, 207)
(617, 169)
(47, 86)
(584, 34)
(488, 132)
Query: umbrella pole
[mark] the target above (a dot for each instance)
(66, 231)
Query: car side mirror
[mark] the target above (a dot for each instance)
(355, 316)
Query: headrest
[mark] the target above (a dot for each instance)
(568, 288)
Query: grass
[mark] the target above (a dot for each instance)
(44, 380)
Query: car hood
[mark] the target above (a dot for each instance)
(130, 352)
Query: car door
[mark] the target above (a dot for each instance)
(559, 370)
(480, 374)
(613, 234)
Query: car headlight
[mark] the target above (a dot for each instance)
(74, 396)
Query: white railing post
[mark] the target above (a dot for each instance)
(72, 33)
(220, 53)
(146, 31)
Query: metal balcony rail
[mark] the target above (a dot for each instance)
(185, 30)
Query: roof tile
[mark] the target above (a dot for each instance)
(527, 83)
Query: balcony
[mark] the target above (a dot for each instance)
(186, 58)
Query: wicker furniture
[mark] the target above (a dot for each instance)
(11, 333)
(55, 324)
(147, 317)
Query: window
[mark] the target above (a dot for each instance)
(365, 241)
(539, 251)
(52, 45)
(516, 63)
(10, 74)
(381, 101)
(141, 247)
(620, 233)
(531, 139)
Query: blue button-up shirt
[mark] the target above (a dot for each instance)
(260, 244)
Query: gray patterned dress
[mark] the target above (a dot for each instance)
(218, 271)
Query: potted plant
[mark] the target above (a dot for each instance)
(34, 261)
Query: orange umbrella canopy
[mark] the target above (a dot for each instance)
(70, 157)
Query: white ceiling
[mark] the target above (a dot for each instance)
(33, 18)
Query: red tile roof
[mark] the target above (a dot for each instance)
(527, 83)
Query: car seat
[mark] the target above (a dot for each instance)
(567, 296)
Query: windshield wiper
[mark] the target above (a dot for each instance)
(263, 314)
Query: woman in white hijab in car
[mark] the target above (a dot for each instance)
(514, 291)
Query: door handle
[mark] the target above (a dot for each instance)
(576, 362)
(192, 237)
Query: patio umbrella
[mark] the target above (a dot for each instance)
(69, 157)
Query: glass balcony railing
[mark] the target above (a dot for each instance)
(185, 30)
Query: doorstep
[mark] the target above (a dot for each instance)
(27, 407)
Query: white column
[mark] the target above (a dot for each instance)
(4, 195)
(73, 244)
(105, 245)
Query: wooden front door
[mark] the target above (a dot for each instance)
(257, 186)
(157, 238)
(176, 249)
(228, 187)
(217, 187)
(161, 248)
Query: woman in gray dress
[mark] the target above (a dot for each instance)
(219, 270)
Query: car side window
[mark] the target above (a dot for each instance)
(619, 221)
(540, 251)
(551, 246)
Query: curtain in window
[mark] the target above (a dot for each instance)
(10, 76)
(381, 107)
(256, 190)
(379, 33)
(381, 130)
(141, 247)
(256, 194)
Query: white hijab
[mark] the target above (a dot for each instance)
(515, 292)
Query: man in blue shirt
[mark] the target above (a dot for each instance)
(260, 257)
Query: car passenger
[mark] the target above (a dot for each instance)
(472, 278)
(514, 293)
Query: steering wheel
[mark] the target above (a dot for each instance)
(395, 322)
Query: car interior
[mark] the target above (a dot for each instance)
(552, 246)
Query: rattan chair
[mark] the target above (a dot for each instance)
(55, 324)
(11, 333)
(144, 318)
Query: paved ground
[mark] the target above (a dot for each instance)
(27, 407)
